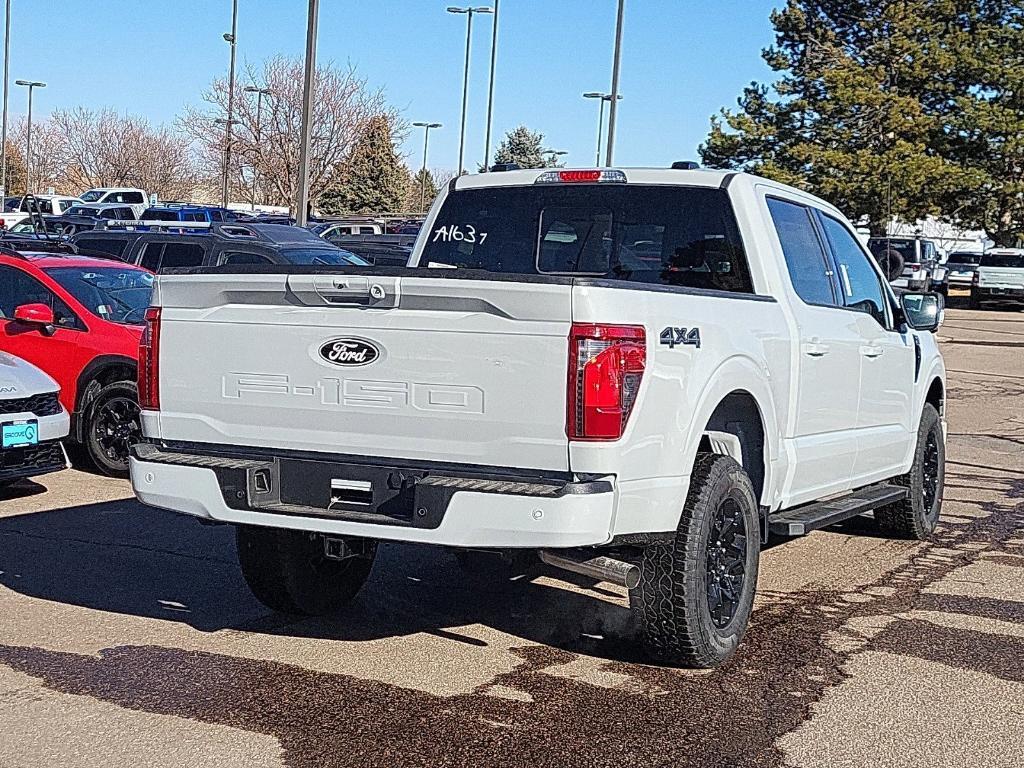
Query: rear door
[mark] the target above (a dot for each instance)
(824, 432)
(884, 418)
(420, 368)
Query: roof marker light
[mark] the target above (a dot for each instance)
(595, 175)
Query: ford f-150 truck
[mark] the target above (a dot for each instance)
(638, 375)
(999, 277)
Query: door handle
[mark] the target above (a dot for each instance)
(870, 350)
(814, 349)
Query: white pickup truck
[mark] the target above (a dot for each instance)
(999, 277)
(637, 374)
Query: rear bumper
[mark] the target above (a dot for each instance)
(999, 292)
(401, 504)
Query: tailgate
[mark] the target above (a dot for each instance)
(1001, 276)
(420, 368)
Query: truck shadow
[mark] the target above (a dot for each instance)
(122, 557)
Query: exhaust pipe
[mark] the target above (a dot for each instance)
(602, 568)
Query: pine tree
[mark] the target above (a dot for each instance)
(866, 109)
(374, 180)
(525, 148)
(422, 191)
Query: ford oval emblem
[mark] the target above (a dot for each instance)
(349, 352)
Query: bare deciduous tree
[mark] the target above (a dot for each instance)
(77, 149)
(265, 151)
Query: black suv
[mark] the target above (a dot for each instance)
(221, 244)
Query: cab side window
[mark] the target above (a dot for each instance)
(802, 248)
(859, 284)
(17, 288)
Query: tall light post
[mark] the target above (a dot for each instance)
(30, 84)
(7, 79)
(469, 11)
(309, 75)
(600, 116)
(423, 171)
(490, 87)
(614, 95)
(231, 39)
(260, 93)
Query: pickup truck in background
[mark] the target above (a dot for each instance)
(636, 375)
(999, 277)
(45, 205)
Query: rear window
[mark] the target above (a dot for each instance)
(961, 257)
(1005, 260)
(312, 256)
(104, 245)
(157, 214)
(678, 236)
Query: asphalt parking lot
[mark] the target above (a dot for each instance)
(127, 637)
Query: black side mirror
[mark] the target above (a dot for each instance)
(923, 311)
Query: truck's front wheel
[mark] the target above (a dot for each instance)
(696, 592)
(917, 516)
(289, 571)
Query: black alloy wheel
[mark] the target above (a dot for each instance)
(726, 562)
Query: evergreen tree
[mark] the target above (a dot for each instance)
(524, 148)
(888, 104)
(422, 191)
(374, 179)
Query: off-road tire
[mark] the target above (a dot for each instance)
(124, 392)
(915, 517)
(671, 602)
(288, 572)
(891, 264)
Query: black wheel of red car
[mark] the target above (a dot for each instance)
(113, 427)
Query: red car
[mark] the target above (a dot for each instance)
(80, 320)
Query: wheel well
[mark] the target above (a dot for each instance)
(936, 396)
(93, 378)
(739, 415)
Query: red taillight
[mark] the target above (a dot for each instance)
(606, 365)
(149, 362)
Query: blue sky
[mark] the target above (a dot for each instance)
(682, 61)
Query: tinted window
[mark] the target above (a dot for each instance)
(244, 258)
(151, 256)
(860, 284)
(158, 214)
(681, 236)
(964, 257)
(105, 245)
(322, 256)
(802, 249)
(182, 255)
(132, 197)
(1005, 260)
(17, 288)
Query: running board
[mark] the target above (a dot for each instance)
(810, 517)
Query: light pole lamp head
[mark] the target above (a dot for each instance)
(31, 83)
(257, 89)
(426, 125)
(593, 95)
(483, 9)
(229, 38)
(456, 9)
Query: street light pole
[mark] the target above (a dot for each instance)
(231, 39)
(614, 95)
(260, 93)
(490, 87)
(30, 84)
(302, 198)
(7, 77)
(423, 171)
(469, 11)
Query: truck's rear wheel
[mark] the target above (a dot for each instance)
(697, 591)
(288, 571)
(916, 516)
